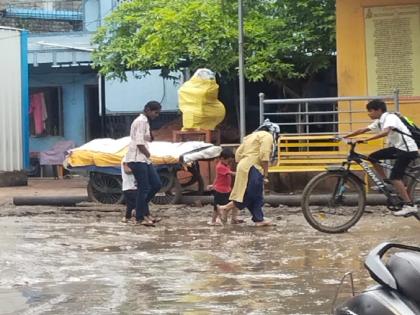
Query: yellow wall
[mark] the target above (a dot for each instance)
(351, 56)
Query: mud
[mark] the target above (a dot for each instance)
(84, 261)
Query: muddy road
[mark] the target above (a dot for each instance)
(84, 261)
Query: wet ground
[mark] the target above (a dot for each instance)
(83, 261)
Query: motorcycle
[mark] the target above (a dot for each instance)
(398, 288)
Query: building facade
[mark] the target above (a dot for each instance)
(378, 52)
(68, 99)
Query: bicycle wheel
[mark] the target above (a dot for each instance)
(333, 202)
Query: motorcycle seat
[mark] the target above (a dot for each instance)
(405, 267)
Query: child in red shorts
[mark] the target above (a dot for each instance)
(222, 186)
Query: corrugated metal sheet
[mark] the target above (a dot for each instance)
(11, 148)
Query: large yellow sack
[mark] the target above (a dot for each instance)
(198, 102)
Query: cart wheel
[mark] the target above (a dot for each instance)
(104, 188)
(170, 193)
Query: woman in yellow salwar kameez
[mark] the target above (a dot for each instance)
(253, 157)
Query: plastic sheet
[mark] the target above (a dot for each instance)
(198, 102)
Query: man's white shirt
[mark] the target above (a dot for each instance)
(394, 139)
(140, 135)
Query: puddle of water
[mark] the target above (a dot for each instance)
(76, 265)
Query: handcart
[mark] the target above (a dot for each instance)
(181, 176)
(104, 185)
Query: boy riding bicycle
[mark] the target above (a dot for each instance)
(401, 148)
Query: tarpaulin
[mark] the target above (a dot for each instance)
(109, 152)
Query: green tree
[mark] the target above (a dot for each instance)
(284, 39)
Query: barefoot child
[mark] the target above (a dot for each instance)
(222, 186)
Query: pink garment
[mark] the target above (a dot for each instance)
(39, 112)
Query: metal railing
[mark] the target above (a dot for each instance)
(305, 116)
(47, 10)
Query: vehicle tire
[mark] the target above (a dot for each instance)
(328, 215)
(170, 193)
(105, 188)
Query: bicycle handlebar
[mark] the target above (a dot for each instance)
(349, 142)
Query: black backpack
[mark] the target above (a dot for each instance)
(411, 126)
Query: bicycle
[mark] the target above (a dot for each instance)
(334, 201)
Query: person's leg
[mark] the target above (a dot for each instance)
(397, 173)
(227, 207)
(155, 183)
(231, 206)
(127, 207)
(130, 197)
(396, 177)
(401, 190)
(143, 187)
(217, 213)
(214, 215)
(217, 202)
(223, 200)
(256, 199)
(383, 154)
(235, 210)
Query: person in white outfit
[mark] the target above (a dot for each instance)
(129, 188)
(401, 148)
(138, 160)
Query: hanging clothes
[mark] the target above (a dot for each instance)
(38, 110)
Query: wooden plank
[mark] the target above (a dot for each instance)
(315, 137)
(305, 168)
(307, 144)
(313, 154)
(310, 161)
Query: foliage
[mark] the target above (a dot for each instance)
(284, 39)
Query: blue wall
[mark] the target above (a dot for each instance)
(73, 106)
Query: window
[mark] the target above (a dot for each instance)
(46, 112)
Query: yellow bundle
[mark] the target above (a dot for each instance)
(198, 102)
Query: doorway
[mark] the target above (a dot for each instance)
(93, 120)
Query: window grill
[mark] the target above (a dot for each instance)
(47, 10)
